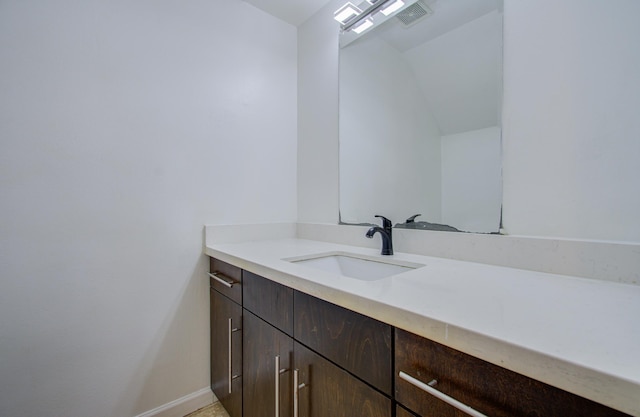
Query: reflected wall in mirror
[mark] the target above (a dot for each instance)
(420, 129)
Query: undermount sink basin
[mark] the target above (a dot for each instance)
(355, 266)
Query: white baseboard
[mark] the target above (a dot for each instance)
(182, 406)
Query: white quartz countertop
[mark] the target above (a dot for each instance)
(578, 334)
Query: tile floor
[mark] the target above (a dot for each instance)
(212, 410)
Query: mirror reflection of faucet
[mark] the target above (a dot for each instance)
(465, 131)
(411, 223)
(385, 234)
(412, 219)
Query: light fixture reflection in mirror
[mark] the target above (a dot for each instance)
(420, 128)
(362, 26)
(355, 20)
(346, 13)
(392, 7)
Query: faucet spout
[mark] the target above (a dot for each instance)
(385, 234)
(372, 231)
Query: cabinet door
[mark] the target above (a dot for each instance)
(402, 412)
(270, 301)
(357, 343)
(226, 352)
(325, 390)
(485, 387)
(266, 375)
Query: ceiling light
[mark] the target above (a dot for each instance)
(362, 26)
(392, 7)
(346, 13)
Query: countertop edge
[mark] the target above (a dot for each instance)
(601, 387)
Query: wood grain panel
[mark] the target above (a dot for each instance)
(402, 412)
(223, 309)
(262, 343)
(230, 271)
(268, 300)
(488, 388)
(357, 343)
(332, 392)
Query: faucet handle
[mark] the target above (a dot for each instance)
(412, 219)
(386, 223)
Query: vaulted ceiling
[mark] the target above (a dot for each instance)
(292, 11)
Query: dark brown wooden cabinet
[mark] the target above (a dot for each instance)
(357, 343)
(402, 412)
(486, 388)
(326, 390)
(226, 279)
(267, 375)
(270, 301)
(270, 311)
(226, 352)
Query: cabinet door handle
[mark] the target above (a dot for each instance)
(277, 373)
(296, 392)
(226, 281)
(231, 331)
(230, 354)
(444, 397)
(277, 390)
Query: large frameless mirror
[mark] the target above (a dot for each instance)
(420, 107)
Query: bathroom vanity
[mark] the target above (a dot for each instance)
(287, 358)
(446, 338)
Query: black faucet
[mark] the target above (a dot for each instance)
(385, 233)
(412, 219)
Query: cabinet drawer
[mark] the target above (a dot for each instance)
(270, 301)
(487, 388)
(325, 390)
(226, 279)
(357, 343)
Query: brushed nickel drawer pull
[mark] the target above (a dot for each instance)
(296, 392)
(230, 354)
(277, 390)
(232, 330)
(221, 279)
(444, 397)
(278, 372)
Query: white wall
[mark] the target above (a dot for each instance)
(318, 162)
(460, 73)
(390, 154)
(471, 180)
(570, 129)
(124, 128)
